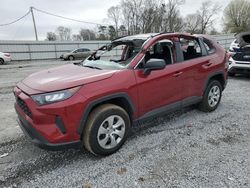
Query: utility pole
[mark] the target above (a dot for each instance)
(34, 22)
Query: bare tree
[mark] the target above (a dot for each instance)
(51, 36)
(237, 16)
(149, 16)
(144, 16)
(64, 33)
(112, 32)
(76, 37)
(192, 23)
(87, 34)
(131, 10)
(173, 20)
(114, 14)
(207, 14)
(103, 32)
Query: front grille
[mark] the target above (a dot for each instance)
(24, 107)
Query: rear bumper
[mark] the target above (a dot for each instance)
(39, 140)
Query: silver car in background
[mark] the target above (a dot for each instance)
(80, 53)
(4, 57)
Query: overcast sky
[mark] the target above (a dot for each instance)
(93, 11)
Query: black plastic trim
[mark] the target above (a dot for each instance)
(170, 108)
(60, 124)
(221, 73)
(240, 70)
(101, 100)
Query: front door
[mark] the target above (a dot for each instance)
(161, 87)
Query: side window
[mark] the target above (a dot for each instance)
(209, 46)
(191, 48)
(78, 51)
(161, 50)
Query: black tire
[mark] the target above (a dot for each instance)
(206, 105)
(231, 74)
(98, 118)
(71, 58)
(1, 61)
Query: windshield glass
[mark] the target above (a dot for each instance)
(116, 55)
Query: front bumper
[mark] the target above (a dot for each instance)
(7, 59)
(39, 140)
(52, 126)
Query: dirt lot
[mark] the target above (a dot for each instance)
(187, 148)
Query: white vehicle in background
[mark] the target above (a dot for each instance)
(4, 57)
(239, 63)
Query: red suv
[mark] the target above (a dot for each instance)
(93, 104)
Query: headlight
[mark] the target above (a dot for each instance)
(47, 98)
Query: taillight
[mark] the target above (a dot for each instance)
(6, 54)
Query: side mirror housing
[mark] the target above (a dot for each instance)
(153, 64)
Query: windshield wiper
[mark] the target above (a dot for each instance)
(92, 67)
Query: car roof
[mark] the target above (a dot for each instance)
(152, 35)
(136, 37)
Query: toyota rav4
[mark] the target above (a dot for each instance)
(93, 104)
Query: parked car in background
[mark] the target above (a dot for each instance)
(93, 104)
(239, 63)
(4, 57)
(80, 53)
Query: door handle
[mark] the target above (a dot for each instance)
(177, 74)
(208, 64)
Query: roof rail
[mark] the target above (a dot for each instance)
(119, 37)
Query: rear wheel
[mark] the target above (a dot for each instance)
(106, 129)
(211, 97)
(1, 61)
(71, 58)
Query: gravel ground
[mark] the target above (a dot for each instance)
(187, 148)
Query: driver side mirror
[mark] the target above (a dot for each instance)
(152, 65)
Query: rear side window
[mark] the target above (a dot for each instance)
(191, 48)
(85, 50)
(209, 46)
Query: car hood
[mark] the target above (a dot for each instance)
(64, 77)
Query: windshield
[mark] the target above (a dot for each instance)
(116, 55)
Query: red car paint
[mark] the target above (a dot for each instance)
(176, 82)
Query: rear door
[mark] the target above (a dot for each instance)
(86, 52)
(196, 65)
(77, 53)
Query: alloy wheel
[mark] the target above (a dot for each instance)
(111, 132)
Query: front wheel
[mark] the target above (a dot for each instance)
(106, 129)
(211, 97)
(1, 61)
